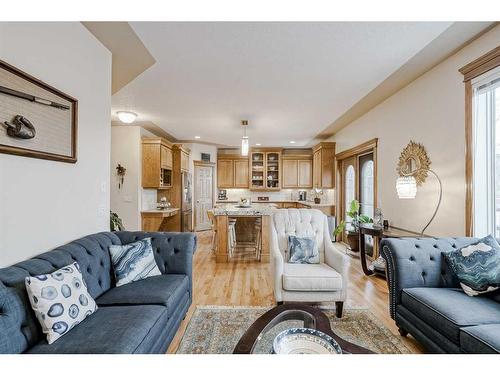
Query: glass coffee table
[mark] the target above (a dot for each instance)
(260, 336)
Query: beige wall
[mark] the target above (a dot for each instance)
(44, 203)
(430, 110)
(126, 150)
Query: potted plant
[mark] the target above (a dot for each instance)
(352, 230)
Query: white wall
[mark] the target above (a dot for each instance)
(43, 203)
(430, 110)
(126, 150)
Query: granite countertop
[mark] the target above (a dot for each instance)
(231, 209)
(166, 212)
(307, 203)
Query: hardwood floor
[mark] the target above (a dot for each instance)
(247, 283)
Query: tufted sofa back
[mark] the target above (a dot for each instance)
(419, 262)
(301, 223)
(19, 329)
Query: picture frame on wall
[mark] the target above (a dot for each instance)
(36, 119)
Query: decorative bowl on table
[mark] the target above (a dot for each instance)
(244, 203)
(305, 341)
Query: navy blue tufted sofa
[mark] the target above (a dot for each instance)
(426, 299)
(141, 317)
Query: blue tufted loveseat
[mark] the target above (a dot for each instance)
(426, 299)
(141, 317)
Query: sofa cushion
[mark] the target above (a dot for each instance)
(302, 250)
(166, 290)
(60, 300)
(113, 329)
(448, 310)
(477, 266)
(310, 277)
(481, 339)
(133, 262)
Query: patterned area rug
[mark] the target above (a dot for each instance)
(217, 330)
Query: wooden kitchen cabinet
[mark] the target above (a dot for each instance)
(184, 161)
(265, 169)
(156, 163)
(241, 173)
(290, 173)
(166, 161)
(305, 168)
(232, 171)
(324, 165)
(297, 171)
(225, 173)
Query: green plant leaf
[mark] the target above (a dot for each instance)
(365, 219)
(339, 229)
(354, 206)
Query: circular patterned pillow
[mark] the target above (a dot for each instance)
(60, 300)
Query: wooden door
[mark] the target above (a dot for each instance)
(241, 173)
(290, 173)
(225, 173)
(304, 173)
(349, 189)
(203, 195)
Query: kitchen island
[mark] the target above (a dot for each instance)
(246, 219)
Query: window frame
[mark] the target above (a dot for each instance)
(474, 69)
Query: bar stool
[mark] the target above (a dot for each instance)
(231, 234)
(211, 217)
(258, 237)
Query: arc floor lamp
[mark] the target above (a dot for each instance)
(413, 169)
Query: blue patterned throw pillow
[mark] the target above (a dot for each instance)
(133, 262)
(60, 300)
(477, 266)
(302, 250)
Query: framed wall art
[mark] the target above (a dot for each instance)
(36, 120)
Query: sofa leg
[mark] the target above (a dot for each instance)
(280, 303)
(339, 307)
(403, 332)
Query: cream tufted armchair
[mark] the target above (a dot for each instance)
(323, 282)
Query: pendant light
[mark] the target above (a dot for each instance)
(244, 139)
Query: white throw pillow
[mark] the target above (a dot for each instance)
(60, 300)
(133, 262)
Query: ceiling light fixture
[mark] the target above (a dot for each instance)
(244, 139)
(257, 144)
(292, 142)
(197, 137)
(126, 117)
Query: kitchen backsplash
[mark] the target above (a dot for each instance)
(283, 194)
(148, 199)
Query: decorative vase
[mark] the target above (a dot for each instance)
(353, 241)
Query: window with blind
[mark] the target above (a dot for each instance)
(486, 153)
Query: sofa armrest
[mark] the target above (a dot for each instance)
(416, 263)
(276, 265)
(173, 251)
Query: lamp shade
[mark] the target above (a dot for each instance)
(244, 146)
(406, 187)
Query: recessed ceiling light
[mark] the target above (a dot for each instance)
(126, 116)
(292, 141)
(257, 144)
(197, 137)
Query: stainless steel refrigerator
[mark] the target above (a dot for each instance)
(186, 207)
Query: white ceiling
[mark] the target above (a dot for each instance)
(290, 80)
